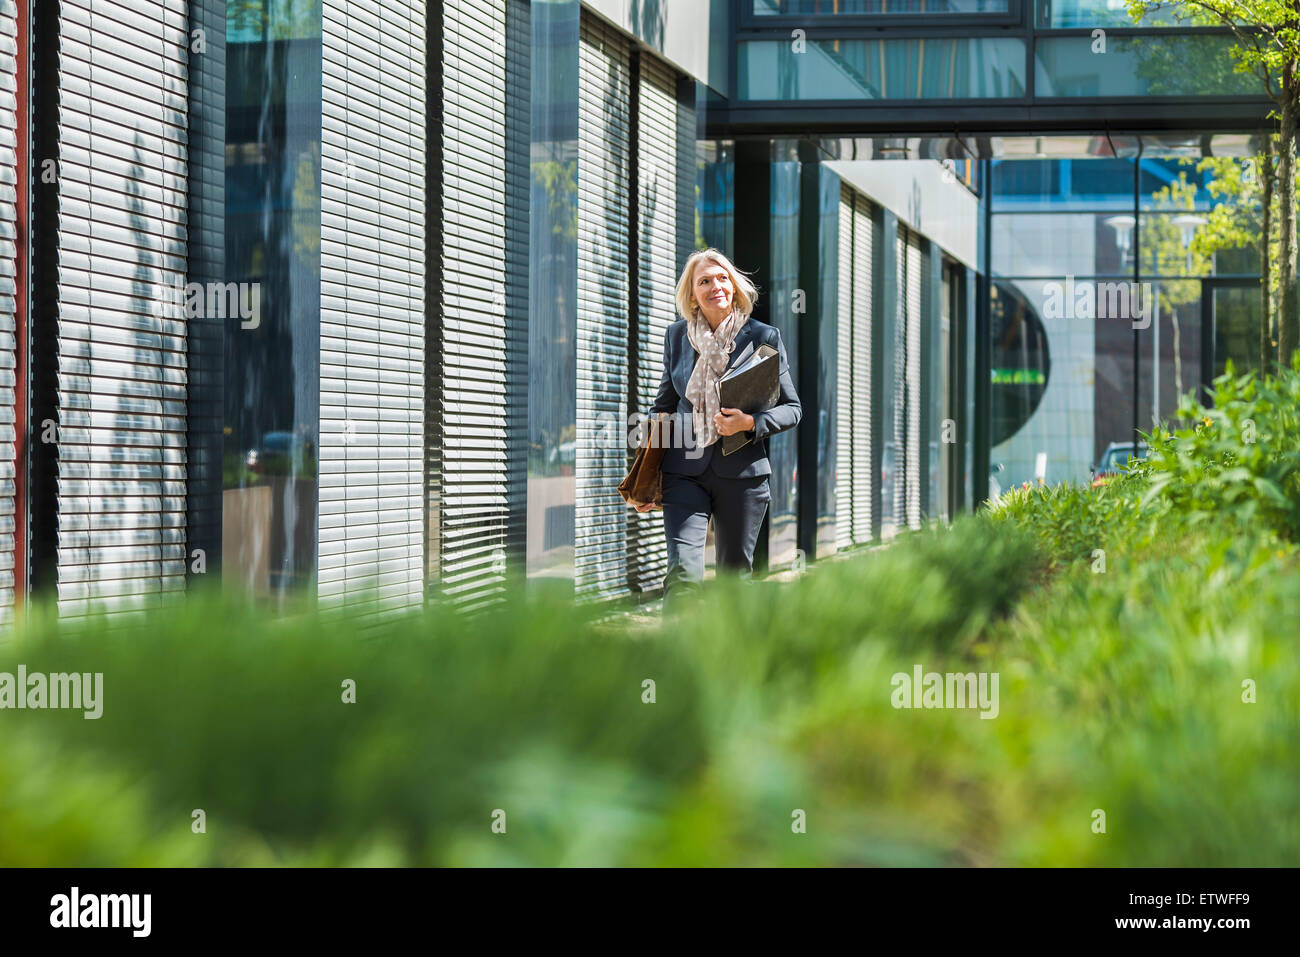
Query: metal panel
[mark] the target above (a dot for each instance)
(204, 398)
(658, 207)
(899, 384)
(121, 241)
(854, 435)
(600, 526)
(844, 406)
(473, 481)
(917, 299)
(8, 303)
(864, 477)
(372, 302)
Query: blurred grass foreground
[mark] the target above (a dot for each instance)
(1143, 637)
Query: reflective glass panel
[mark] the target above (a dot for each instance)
(1102, 13)
(886, 69)
(1188, 65)
(272, 344)
(858, 8)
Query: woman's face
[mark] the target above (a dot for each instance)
(713, 290)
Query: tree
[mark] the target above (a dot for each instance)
(1267, 44)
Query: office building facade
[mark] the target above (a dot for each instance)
(364, 300)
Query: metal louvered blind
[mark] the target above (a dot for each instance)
(845, 387)
(518, 182)
(854, 433)
(657, 247)
(916, 296)
(121, 345)
(372, 302)
(8, 300)
(899, 385)
(864, 481)
(469, 478)
(600, 527)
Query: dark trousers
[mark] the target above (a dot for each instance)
(737, 506)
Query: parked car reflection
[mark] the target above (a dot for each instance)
(1115, 460)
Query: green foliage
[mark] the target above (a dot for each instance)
(1121, 689)
(1267, 32)
(1118, 691)
(1238, 463)
(1069, 522)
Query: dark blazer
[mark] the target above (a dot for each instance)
(679, 362)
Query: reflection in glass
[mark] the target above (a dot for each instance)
(1021, 361)
(1237, 311)
(715, 210)
(1186, 65)
(1103, 13)
(828, 388)
(893, 69)
(553, 291)
(783, 449)
(876, 7)
(272, 381)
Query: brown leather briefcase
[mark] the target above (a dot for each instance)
(644, 483)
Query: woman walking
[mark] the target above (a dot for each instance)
(715, 334)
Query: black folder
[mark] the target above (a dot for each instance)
(753, 386)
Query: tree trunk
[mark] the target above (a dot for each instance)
(1288, 318)
(1267, 333)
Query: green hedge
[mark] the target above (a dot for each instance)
(1121, 690)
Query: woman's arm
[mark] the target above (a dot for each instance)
(667, 399)
(788, 411)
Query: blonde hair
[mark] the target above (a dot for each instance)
(745, 293)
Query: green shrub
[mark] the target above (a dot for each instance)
(1120, 691)
(1069, 522)
(1238, 462)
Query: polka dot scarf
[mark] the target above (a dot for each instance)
(713, 348)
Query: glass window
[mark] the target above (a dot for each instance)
(1237, 312)
(1046, 244)
(1091, 14)
(715, 211)
(272, 233)
(857, 8)
(1189, 65)
(898, 69)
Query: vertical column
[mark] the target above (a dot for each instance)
(112, 403)
(885, 340)
(818, 347)
(206, 228)
(866, 430)
(753, 253)
(913, 376)
(845, 424)
(13, 326)
(372, 292)
(553, 293)
(785, 293)
(477, 308)
(600, 529)
(659, 254)
(933, 388)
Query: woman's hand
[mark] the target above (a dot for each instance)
(731, 421)
(646, 507)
